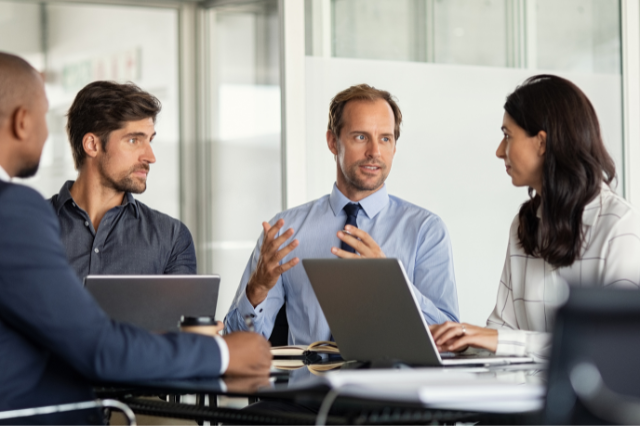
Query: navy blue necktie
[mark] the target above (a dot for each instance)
(352, 210)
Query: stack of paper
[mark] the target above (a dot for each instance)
(438, 388)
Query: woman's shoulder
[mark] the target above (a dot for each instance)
(612, 212)
(615, 207)
(513, 229)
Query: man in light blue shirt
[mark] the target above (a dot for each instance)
(364, 126)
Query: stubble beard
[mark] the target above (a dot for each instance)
(29, 170)
(352, 179)
(125, 183)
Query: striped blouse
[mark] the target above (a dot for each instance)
(531, 289)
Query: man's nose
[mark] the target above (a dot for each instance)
(148, 156)
(373, 149)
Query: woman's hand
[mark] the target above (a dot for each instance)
(455, 337)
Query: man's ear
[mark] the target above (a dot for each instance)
(91, 145)
(542, 142)
(332, 142)
(20, 123)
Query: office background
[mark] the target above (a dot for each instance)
(245, 87)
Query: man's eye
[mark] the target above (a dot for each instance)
(132, 140)
(360, 137)
(385, 139)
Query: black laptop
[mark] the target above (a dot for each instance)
(155, 302)
(374, 315)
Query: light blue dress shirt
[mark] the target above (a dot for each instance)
(404, 231)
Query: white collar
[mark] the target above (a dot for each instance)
(4, 175)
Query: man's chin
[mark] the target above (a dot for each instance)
(28, 172)
(128, 185)
(138, 189)
(367, 186)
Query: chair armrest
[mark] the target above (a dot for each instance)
(74, 406)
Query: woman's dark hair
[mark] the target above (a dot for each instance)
(102, 107)
(575, 165)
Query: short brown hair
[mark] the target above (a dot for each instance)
(360, 92)
(102, 107)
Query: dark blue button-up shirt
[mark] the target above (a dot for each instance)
(132, 239)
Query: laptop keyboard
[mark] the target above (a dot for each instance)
(451, 355)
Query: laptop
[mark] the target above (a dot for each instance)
(374, 315)
(154, 302)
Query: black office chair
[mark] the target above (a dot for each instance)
(594, 373)
(280, 334)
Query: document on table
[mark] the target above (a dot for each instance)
(438, 388)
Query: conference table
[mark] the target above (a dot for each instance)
(353, 394)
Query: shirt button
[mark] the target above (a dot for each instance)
(73, 204)
(96, 250)
(86, 223)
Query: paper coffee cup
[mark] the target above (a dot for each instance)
(203, 325)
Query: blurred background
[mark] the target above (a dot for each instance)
(245, 88)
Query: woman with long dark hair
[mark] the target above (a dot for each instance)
(573, 230)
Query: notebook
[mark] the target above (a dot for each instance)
(321, 347)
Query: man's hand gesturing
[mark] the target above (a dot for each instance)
(363, 244)
(268, 271)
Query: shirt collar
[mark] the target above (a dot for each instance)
(371, 205)
(65, 195)
(4, 176)
(128, 199)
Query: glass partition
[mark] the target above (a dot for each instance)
(378, 30)
(75, 44)
(470, 32)
(569, 35)
(245, 167)
(588, 42)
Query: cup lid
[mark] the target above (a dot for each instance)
(201, 320)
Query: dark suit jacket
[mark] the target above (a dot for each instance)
(54, 339)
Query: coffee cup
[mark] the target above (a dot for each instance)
(202, 325)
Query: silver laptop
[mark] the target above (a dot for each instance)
(154, 302)
(374, 315)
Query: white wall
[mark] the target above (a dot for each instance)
(445, 160)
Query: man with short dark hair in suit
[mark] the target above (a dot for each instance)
(54, 339)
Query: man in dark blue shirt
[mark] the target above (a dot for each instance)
(104, 229)
(55, 341)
